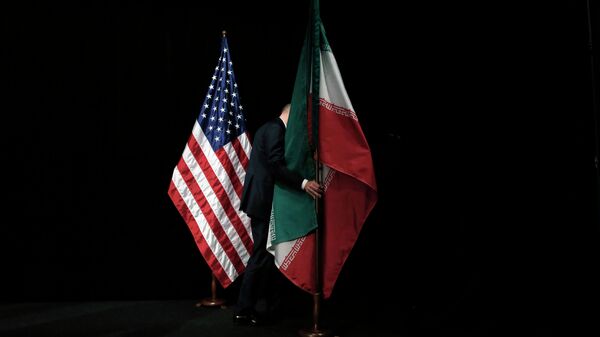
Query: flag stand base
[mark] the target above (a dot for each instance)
(212, 301)
(315, 333)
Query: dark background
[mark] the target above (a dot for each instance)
(479, 117)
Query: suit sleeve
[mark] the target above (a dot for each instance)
(275, 146)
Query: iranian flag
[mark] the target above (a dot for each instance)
(328, 124)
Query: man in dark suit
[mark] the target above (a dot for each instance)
(267, 165)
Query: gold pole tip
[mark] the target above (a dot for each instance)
(224, 33)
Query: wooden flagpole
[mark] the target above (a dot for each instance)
(315, 29)
(595, 100)
(316, 330)
(213, 300)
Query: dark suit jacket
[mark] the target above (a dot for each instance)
(267, 165)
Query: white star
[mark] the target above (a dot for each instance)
(205, 106)
(239, 116)
(237, 126)
(227, 91)
(235, 85)
(224, 99)
(228, 132)
(229, 72)
(210, 127)
(212, 118)
(222, 109)
(241, 107)
(217, 139)
(214, 77)
(231, 113)
(222, 69)
(211, 87)
(208, 96)
(225, 50)
(218, 89)
(217, 68)
(214, 108)
(218, 129)
(232, 104)
(234, 94)
(227, 81)
(220, 119)
(203, 115)
(220, 79)
(229, 122)
(230, 63)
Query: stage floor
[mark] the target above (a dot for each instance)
(165, 318)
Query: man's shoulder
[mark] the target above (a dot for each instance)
(272, 125)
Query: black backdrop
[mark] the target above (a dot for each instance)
(479, 118)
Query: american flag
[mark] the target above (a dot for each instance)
(207, 182)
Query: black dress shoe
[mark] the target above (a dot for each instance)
(246, 319)
(241, 319)
(254, 320)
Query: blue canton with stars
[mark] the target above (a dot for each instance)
(221, 117)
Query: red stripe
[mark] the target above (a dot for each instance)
(301, 270)
(239, 150)
(228, 167)
(352, 156)
(210, 216)
(249, 135)
(205, 250)
(233, 216)
(347, 203)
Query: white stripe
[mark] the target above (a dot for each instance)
(331, 86)
(235, 160)
(283, 250)
(214, 162)
(241, 174)
(245, 141)
(236, 201)
(327, 174)
(280, 251)
(213, 200)
(196, 212)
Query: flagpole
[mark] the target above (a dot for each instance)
(315, 330)
(595, 104)
(212, 301)
(315, 29)
(315, 72)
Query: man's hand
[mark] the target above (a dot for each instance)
(313, 189)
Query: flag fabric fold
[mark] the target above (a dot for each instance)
(207, 182)
(322, 118)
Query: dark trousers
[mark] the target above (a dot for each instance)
(260, 290)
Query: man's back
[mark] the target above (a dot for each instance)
(257, 194)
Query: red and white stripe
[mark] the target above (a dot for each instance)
(206, 188)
